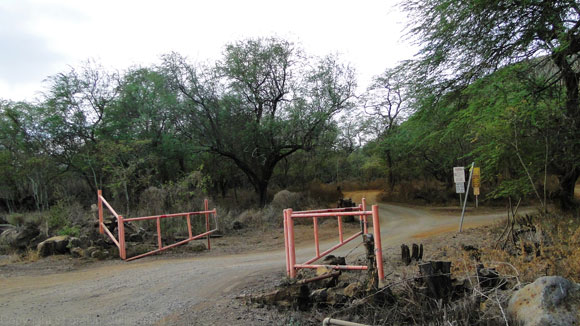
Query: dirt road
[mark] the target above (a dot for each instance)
(147, 290)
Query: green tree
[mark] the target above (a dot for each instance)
(264, 101)
(464, 40)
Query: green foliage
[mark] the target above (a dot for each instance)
(73, 231)
(57, 217)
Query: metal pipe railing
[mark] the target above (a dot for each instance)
(290, 249)
(120, 242)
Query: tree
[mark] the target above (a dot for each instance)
(464, 40)
(264, 101)
(386, 101)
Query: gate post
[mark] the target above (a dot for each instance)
(287, 250)
(206, 208)
(100, 206)
(378, 247)
(291, 247)
(121, 227)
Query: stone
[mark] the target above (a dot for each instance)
(53, 246)
(19, 237)
(334, 260)
(549, 301)
(319, 296)
(74, 242)
(352, 290)
(77, 252)
(197, 246)
(237, 225)
(89, 251)
(45, 249)
(100, 254)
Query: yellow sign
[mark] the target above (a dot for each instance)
(476, 191)
(476, 177)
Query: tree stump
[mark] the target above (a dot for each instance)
(437, 276)
(405, 254)
(373, 276)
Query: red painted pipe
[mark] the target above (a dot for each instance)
(378, 246)
(343, 267)
(333, 248)
(353, 213)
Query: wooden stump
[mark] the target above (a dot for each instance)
(405, 254)
(373, 276)
(436, 275)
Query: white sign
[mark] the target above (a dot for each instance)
(459, 174)
(460, 188)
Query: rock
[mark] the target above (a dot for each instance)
(335, 296)
(100, 254)
(549, 301)
(45, 249)
(237, 225)
(333, 260)
(4, 227)
(77, 252)
(319, 296)
(352, 290)
(74, 243)
(197, 246)
(19, 237)
(85, 241)
(89, 251)
(135, 237)
(53, 246)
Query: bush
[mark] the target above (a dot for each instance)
(72, 231)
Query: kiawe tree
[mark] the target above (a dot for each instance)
(262, 102)
(464, 40)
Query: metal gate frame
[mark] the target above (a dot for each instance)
(120, 242)
(360, 211)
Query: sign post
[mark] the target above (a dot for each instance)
(465, 200)
(476, 183)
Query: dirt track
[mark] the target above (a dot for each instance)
(148, 291)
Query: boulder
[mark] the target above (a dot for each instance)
(19, 237)
(74, 243)
(53, 246)
(77, 252)
(353, 290)
(549, 301)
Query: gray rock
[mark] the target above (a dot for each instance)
(53, 246)
(74, 243)
(100, 254)
(77, 252)
(549, 301)
(19, 237)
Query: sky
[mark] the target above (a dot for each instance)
(40, 38)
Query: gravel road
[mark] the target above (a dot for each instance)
(146, 291)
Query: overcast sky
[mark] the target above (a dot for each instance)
(39, 38)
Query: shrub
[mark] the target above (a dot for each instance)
(72, 231)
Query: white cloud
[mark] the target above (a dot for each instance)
(55, 33)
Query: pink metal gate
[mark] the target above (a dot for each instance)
(360, 211)
(120, 242)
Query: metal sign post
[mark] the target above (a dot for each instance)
(465, 200)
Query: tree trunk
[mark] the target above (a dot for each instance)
(566, 193)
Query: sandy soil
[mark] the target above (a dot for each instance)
(170, 289)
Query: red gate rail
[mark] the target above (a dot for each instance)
(120, 242)
(290, 215)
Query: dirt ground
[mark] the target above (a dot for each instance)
(184, 288)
